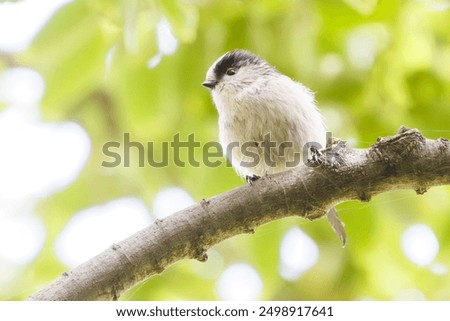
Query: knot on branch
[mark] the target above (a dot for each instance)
(444, 144)
(201, 256)
(407, 144)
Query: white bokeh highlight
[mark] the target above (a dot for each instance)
(298, 253)
(38, 158)
(410, 295)
(420, 245)
(364, 43)
(20, 21)
(21, 238)
(439, 268)
(154, 61)
(239, 282)
(21, 86)
(93, 230)
(170, 200)
(331, 65)
(166, 41)
(438, 6)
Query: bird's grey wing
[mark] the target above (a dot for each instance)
(337, 225)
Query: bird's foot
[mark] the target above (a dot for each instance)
(316, 156)
(337, 225)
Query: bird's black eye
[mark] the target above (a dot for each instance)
(230, 72)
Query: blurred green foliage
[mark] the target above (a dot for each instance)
(374, 65)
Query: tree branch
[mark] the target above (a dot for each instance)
(406, 160)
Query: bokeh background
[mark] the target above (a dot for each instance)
(75, 75)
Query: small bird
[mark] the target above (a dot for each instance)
(266, 117)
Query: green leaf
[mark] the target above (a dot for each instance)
(70, 53)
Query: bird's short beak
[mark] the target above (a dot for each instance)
(210, 83)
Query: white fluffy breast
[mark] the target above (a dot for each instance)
(275, 105)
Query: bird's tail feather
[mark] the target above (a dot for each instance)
(337, 225)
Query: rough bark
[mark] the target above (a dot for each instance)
(404, 161)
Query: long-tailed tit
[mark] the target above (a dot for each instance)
(270, 116)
